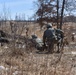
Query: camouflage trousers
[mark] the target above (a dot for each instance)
(50, 45)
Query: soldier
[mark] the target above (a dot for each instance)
(72, 37)
(27, 30)
(60, 35)
(2, 38)
(49, 37)
(2, 34)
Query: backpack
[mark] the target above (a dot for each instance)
(50, 34)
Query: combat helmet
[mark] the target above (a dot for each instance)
(49, 25)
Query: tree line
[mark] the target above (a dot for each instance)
(54, 11)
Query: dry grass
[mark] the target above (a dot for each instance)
(38, 64)
(19, 62)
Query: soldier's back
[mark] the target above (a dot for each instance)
(49, 33)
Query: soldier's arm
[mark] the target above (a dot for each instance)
(62, 33)
(44, 38)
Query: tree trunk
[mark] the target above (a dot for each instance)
(57, 13)
(62, 14)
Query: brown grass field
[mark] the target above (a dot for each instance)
(23, 61)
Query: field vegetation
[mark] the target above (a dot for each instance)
(26, 61)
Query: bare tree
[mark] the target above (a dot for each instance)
(53, 10)
(62, 11)
(57, 13)
(46, 11)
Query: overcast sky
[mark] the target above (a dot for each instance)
(17, 6)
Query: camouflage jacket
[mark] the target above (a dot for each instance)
(48, 34)
(59, 33)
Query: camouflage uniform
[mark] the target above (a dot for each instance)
(72, 37)
(48, 37)
(60, 35)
